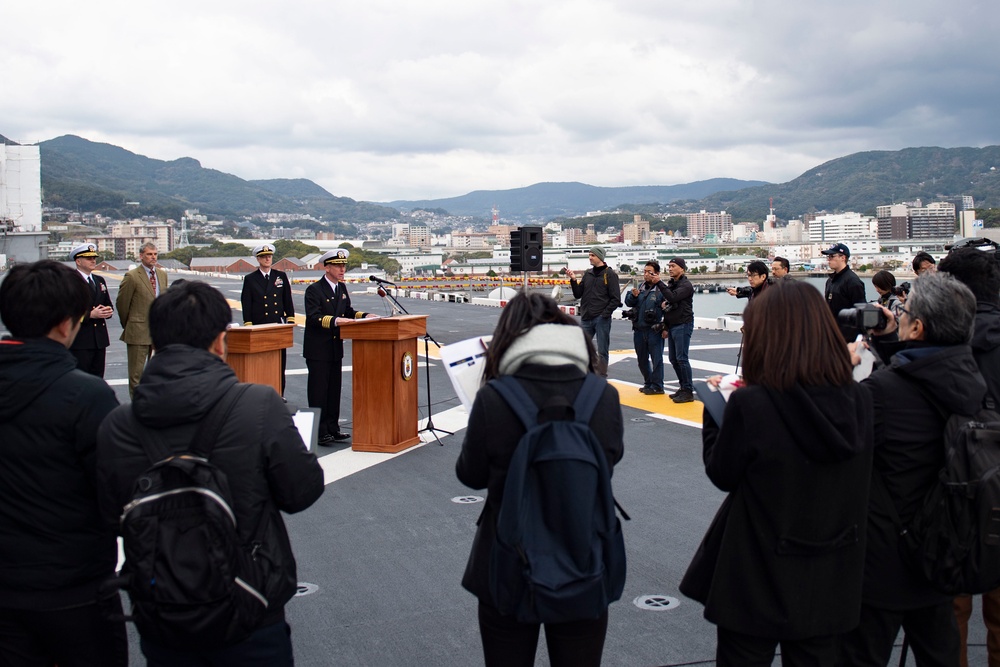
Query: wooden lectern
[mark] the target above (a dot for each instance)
(384, 358)
(254, 352)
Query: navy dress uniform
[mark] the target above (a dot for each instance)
(323, 348)
(267, 296)
(91, 343)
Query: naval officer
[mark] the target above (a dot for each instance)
(267, 296)
(91, 344)
(328, 305)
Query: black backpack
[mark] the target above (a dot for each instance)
(191, 580)
(559, 554)
(953, 541)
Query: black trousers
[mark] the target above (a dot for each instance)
(284, 355)
(270, 646)
(735, 649)
(507, 643)
(932, 633)
(75, 637)
(323, 392)
(91, 361)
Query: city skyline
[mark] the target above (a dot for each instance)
(385, 101)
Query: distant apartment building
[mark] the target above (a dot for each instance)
(703, 224)
(125, 239)
(915, 221)
(934, 221)
(636, 231)
(837, 227)
(470, 240)
(21, 188)
(419, 235)
(502, 233)
(893, 221)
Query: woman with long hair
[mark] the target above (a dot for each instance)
(550, 356)
(783, 561)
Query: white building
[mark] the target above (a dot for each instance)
(835, 228)
(21, 187)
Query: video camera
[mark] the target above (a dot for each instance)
(863, 316)
(744, 292)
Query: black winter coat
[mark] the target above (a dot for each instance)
(599, 292)
(54, 547)
(680, 302)
(784, 558)
(909, 452)
(986, 348)
(491, 438)
(259, 450)
(843, 290)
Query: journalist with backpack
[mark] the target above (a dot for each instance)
(543, 436)
(931, 374)
(194, 475)
(782, 561)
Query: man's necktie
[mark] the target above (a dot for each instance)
(93, 285)
(152, 280)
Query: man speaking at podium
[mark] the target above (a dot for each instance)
(327, 306)
(267, 297)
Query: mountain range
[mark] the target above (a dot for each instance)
(83, 175)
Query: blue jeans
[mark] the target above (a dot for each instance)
(649, 346)
(679, 340)
(270, 646)
(601, 327)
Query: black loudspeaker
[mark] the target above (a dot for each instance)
(516, 252)
(531, 240)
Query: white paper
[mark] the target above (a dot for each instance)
(464, 361)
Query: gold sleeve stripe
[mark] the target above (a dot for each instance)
(359, 315)
(327, 321)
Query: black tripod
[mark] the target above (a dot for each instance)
(398, 308)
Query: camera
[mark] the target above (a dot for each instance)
(630, 314)
(863, 317)
(650, 316)
(744, 292)
(900, 289)
(660, 326)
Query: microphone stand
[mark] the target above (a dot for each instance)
(398, 308)
(430, 417)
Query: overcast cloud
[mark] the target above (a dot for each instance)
(383, 100)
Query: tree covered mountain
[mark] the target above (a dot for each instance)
(85, 175)
(550, 200)
(862, 181)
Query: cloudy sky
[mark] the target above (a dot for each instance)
(387, 99)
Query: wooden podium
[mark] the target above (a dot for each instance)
(254, 352)
(384, 358)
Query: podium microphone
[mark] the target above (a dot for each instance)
(373, 279)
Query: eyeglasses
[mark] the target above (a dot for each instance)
(904, 309)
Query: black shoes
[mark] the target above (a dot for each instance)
(332, 438)
(654, 391)
(683, 396)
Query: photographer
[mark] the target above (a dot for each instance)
(932, 369)
(757, 277)
(885, 284)
(647, 312)
(678, 323)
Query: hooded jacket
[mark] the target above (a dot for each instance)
(986, 348)
(258, 448)
(784, 557)
(54, 548)
(909, 452)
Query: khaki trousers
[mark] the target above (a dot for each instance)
(138, 355)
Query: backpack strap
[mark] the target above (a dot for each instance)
(588, 397)
(156, 447)
(517, 398)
